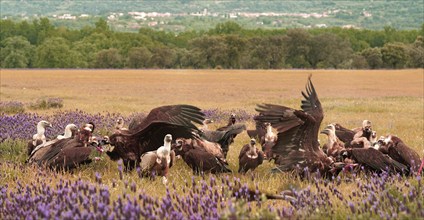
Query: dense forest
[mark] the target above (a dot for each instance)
(40, 44)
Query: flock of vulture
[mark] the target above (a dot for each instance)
(152, 143)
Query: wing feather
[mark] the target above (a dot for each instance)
(297, 129)
(376, 160)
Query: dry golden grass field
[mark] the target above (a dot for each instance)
(127, 91)
(393, 100)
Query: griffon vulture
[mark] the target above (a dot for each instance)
(157, 163)
(39, 137)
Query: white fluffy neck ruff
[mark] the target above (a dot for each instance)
(165, 150)
(68, 132)
(332, 138)
(252, 152)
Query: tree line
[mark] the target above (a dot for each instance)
(39, 44)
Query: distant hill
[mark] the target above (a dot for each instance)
(186, 15)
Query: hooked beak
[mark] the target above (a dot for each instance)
(325, 131)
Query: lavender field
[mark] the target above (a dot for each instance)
(102, 190)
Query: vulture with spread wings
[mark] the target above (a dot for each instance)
(297, 145)
(147, 134)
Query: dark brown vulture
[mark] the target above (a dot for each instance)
(157, 163)
(225, 137)
(148, 134)
(40, 150)
(399, 151)
(69, 153)
(250, 157)
(374, 160)
(334, 147)
(39, 137)
(231, 121)
(199, 159)
(297, 145)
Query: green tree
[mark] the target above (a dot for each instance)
(139, 57)
(235, 47)
(16, 52)
(328, 50)
(101, 26)
(7, 29)
(373, 57)
(56, 53)
(416, 53)
(100, 40)
(15, 60)
(394, 55)
(266, 53)
(228, 27)
(108, 58)
(163, 57)
(211, 51)
(87, 52)
(44, 29)
(359, 62)
(297, 45)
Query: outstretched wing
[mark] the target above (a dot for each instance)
(176, 120)
(312, 106)
(297, 129)
(183, 115)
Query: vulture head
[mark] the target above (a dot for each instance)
(366, 126)
(378, 143)
(119, 123)
(330, 131)
(44, 124)
(233, 118)
(252, 150)
(90, 125)
(71, 129)
(84, 134)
